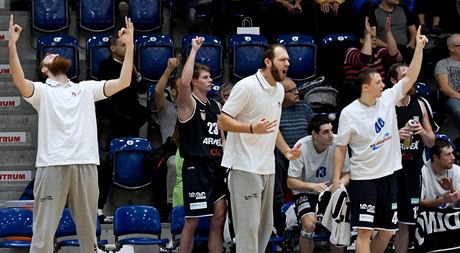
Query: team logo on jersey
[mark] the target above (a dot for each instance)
(203, 114)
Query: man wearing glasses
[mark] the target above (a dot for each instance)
(447, 73)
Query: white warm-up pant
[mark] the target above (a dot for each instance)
(53, 187)
(251, 199)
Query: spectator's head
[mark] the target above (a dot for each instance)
(453, 44)
(396, 72)
(117, 47)
(370, 82)
(53, 65)
(291, 93)
(175, 87)
(276, 62)
(201, 77)
(320, 128)
(373, 38)
(224, 92)
(442, 154)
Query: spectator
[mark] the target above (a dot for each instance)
(224, 92)
(447, 73)
(67, 152)
(369, 56)
(123, 111)
(368, 127)
(441, 178)
(250, 116)
(335, 16)
(200, 145)
(432, 9)
(310, 175)
(413, 138)
(402, 26)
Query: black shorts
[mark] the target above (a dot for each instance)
(409, 190)
(373, 203)
(204, 183)
(305, 203)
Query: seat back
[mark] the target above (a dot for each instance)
(97, 50)
(178, 220)
(152, 54)
(422, 89)
(246, 52)
(15, 222)
(50, 15)
(66, 225)
(127, 155)
(331, 56)
(302, 55)
(136, 220)
(97, 15)
(64, 45)
(210, 53)
(145, 14)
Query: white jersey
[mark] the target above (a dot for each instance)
(372, 134)
(431, 189)
(314, 167)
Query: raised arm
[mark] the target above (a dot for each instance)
(25, 87)
(392, 47)
(184, 98)
(161, 85)
(126, 35)
(367, 45)
(416, 63)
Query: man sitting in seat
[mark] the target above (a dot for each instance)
(441, 178)
(310, 174)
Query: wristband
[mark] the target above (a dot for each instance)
(250, 128)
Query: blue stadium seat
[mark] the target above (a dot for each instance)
(131, 221)
(422, 89)
(97, 15)
(15, 222)
(152, 54)
(97, 50)
(50, 15)
(64, 45)
(302, 55)
(177, 224)
(145, 14)
(210, 53)
(245, 53)
(127, 155)
(66, 232)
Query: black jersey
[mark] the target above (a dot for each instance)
(199, 136)
(412, 157)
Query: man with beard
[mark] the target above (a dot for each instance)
(368, 126)
(67, 152)
(200, 144)
(441, 178)
(251, 115)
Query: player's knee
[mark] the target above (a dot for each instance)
(308, 224)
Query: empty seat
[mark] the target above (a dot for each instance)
(97, 15)
(152, 54)
(302, 55)
(145, 14)
(97, 50)
(245, 53)
(50, 15)
(127, 156)
(63, 45)
(210, 53)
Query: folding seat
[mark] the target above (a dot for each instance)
(66, 232)
(97, 50)
(302, 55)
(15, 227)
(137, 225)
(331, 56)
(245, 54)
(152, 54)
(97, 15)
(177, 224)
(127, 155)
(64, 45)
(50, 15)
(210, 53)
(145, 14)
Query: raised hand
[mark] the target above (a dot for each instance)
(388, 24)
(263, 126)
(421, 39)
(367, 26)
(126, 35)
(14, 30)
(173, 62)
(197, 42)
